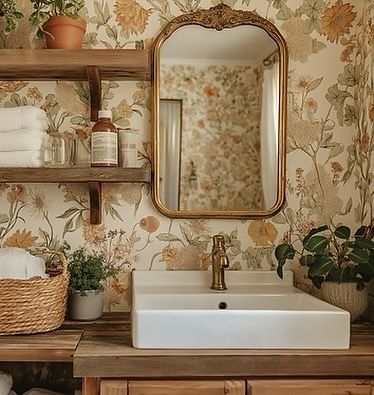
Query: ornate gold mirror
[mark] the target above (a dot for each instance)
(219, 115)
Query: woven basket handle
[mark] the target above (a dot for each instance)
(43, 250)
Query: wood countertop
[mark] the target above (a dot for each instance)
(105, 350)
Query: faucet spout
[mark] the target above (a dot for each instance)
(220, 262)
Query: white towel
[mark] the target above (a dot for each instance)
(17, 263)
(26, 117)
(6, 383)
(22, 140)
(41, 391)
(22, 159)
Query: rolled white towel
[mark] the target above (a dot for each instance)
(6, 383)
(17, 263)
(41, 391)
(25, 117)
(22, 140)
(22, 159)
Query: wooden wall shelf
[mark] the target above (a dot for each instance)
(94, 177)
(92, 65)
(71, 65)
(64, 175)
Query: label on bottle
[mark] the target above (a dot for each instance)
(104, 148)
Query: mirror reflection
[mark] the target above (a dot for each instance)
(219, 127)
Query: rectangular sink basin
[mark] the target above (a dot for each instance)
(258, 310)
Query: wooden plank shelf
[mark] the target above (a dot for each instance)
(65, 175)
(56, 346)
(92, 65)
(71, 65)
(94, 177)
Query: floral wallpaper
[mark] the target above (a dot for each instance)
(329, 152)
(221, 114)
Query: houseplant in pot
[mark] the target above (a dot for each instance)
(87, 275)
(59, 22)
(338, 262)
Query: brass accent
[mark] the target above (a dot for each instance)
(220, 262)
(271, 59)
(220, 17)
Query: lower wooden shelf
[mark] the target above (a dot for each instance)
(93, 176)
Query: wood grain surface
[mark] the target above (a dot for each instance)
(55, 64)
(107, 352)
(89, 174)
(56, 346)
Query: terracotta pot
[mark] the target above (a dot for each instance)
(346, 296)
(86, 307)
(64, 32)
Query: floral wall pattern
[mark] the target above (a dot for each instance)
(329, 152)
(221, 113)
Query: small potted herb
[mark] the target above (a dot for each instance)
(87, 275)
(337, 262)
(11, 15)
(59, 22)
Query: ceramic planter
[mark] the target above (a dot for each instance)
(346, 296)
(64, 32)
(86, 307)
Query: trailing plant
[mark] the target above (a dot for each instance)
(332, 254)
(9, 11)
(88, 271)
(44, 9)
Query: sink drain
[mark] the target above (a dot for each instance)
(222, 306)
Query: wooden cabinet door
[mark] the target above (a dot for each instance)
(187, 387)
(113, 387)
(308, 387)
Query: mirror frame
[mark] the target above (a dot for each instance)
(220, 17)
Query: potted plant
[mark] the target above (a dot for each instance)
(11, 15)
(337, 262)
(59, 22)
(87, 275)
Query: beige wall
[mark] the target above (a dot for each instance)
(330, 131)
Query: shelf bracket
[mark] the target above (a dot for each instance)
(94, 189)
(94, 80)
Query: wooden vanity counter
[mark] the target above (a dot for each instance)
(105, 350)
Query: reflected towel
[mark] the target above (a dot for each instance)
(26, 117)
(22, 159)
(22, 140)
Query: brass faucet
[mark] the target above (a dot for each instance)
(220, 261)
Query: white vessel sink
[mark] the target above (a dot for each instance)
(259, 310)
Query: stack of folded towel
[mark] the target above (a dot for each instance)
(22, 136)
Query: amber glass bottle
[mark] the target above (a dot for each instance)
(104, 141)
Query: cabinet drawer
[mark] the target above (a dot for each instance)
(308, 387)
(187, 387)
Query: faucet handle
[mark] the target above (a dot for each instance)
(218, 240)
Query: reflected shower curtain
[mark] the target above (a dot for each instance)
(170, 151)
(269, 134)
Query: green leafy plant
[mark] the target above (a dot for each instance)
(9, 11)
(44, 9)
(88, 271)
(332, 255)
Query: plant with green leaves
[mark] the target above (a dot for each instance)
(9, 11)
(333, 254)
(89, 271)
(44, 9)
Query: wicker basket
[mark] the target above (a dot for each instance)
(34, 305)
